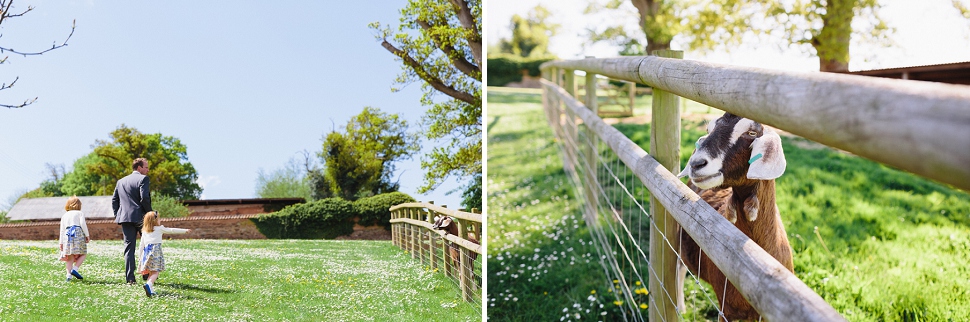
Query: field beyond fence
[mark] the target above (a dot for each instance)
(231, 280)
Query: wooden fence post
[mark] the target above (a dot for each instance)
(592, 190)
(665, 148)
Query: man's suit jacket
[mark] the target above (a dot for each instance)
(131, 199)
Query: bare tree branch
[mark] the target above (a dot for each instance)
(463, 65)
(427, 77)
(468, 22)
(54, 46)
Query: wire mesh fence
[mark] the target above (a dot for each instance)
(617, 214)
(453, 252)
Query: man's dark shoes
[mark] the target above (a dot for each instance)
(76, 274)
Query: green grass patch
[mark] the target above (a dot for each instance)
(896, 245)
(232, 280)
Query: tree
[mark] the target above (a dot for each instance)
(291, 181)
(439, 43)
(530, 35)
(471, 198)
(171, 172)
(361, 161)
(825, 25)
(5, 15)
(799, 23)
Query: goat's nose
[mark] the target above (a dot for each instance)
(697, 164)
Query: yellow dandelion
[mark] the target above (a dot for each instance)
(592, 292)
(643, 306)
(638, 283)
(616, 281)
(618, 303)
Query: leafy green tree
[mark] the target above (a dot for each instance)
(361, 161)
(799, 24)
(821, 27)
(291, 181)
(169, 207)
(83, 182)
(530, 34)
(439, 43)
(472, 196)
(171, 172)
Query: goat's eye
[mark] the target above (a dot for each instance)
(753, 133)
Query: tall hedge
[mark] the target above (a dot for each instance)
(507, 68)
(324, 218)
(375, 210)
(329, 218)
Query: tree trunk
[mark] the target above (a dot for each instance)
(832, 42)
(648, 10)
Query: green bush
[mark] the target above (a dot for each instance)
(375, 210)
(168, 207)
(321, 219)
(506, 68)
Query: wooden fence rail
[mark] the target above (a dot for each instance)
(875, 118)
(411, 231)
(921, 127)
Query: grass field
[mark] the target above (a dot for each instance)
(231, 280)
(896, 246)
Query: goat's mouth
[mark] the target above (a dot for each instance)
(707, 182)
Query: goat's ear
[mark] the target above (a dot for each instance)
(767, 158)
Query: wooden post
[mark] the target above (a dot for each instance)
(591, 188)
(633, 96)
(408, 232)
(465, 274)
(665, 148)
(432, 238)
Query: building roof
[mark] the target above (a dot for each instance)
(953, 73)
(52, 208)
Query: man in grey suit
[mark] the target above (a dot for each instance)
(130, 202)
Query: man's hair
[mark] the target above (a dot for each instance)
(139, 162)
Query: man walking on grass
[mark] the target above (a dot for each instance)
(130, 202)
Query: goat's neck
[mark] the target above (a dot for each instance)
(768, 218)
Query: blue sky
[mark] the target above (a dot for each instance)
(244, 85)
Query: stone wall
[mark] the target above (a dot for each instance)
(203, 227)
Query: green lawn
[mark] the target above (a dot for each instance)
(897, 245)
(232, 280)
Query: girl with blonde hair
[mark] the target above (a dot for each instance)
(152, 259)
(74, 238)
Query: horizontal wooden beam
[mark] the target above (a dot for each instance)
(920, 127)
(442, 210)
(774, 291)
(452, 238)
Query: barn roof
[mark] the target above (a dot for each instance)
(52, 208)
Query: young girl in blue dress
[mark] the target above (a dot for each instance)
(152, 259)
(74, 238)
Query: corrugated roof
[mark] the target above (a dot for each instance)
(52, 208)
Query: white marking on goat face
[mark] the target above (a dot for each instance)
(706, 166)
